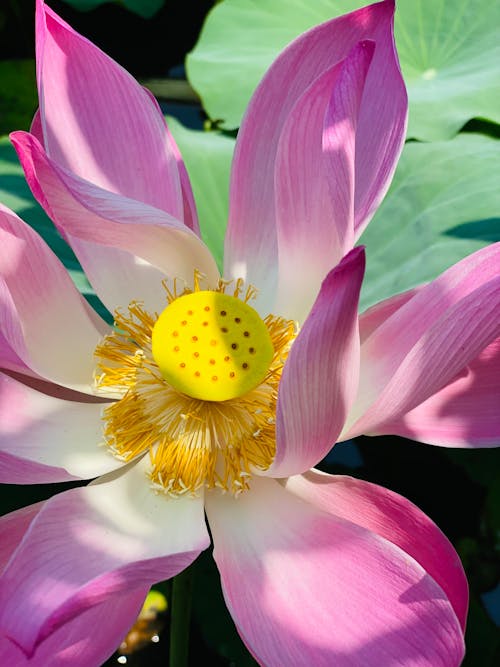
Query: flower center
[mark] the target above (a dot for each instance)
(211, 346)
(195, 388)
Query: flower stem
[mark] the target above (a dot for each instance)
(180, 615)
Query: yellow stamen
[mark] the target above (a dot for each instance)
(195, 438)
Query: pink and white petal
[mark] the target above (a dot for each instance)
(465, 413)
(76, 643)
(251, 242)
(409, 328)
(319, 380)
(98, 122)
(314, 181)
(307, 587)
(376, 315)
(45, 321)
(13, 526)
(394, 518)
(125, 247)
(92, 543)
(65, 436)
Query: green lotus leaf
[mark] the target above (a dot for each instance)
(443, 204)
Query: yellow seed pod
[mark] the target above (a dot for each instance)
(212, 346)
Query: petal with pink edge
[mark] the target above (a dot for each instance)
(50, 432)
(392, 517)
(305, 587)
(319, 381)
(314, 181)
(76, 643)
(251, 242)
(98, 122)
(125, 247)
(465, 413)
(190, 217)
(45, 321)
(428, 341)
(94, 542)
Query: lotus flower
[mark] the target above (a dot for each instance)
(218, 396)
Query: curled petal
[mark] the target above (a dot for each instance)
(45, 321)
(98, 122)
(305, 587)
(394, 518)
(92, 543)
(125, 247)
(76, 643)
(314, 181)
(47, 439)
(320, 377)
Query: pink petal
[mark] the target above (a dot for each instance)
(13, 526)
(36, 128)
(49, 439)
(92, 543)
(251, 242)
(88, 639)
(98, 122)
(45, 321)
(314, 181)
(382, 121)
(190, 214)
(394, 518)
(428, 341)
(9, 360)
(75, 643)
(309, 588)
(17, 470)
(320, 377)
(465, 413)
(125, 247)
(373, 317)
